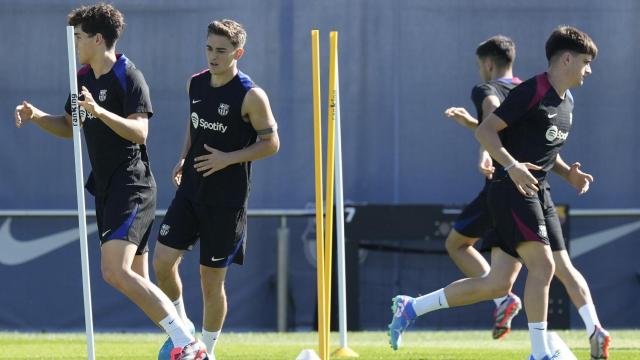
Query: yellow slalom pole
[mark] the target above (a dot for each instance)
(317, 141)
(331, 125)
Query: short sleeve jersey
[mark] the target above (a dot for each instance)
(538, 123)
(216, 120)
(114, 159)
(498, 87)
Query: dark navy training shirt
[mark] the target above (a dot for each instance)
(114, 159)
(538, 123)
(216, 120)
(498, 87)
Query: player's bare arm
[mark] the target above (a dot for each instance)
(487, 135)
(573, 175)
(176, 174)
(462, 117)
(257, 110)
(134, 127)
(59, 125)
(485, 162)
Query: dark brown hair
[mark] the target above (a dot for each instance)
(99, 18)
(568, 38)
(501, 49)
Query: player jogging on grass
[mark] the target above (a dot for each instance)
(524, 135)
(115, 109)
(495, 58)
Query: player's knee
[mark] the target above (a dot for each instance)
(498, 288)
(213, 290)
(163, 266)
(160, 266)
(543, 270)
(562, 272)
(113, 276)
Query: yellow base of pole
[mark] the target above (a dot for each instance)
(345, 352)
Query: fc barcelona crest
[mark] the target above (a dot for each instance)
(223, 109)
(103, 95)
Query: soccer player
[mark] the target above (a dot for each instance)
(473, 220)
(230, 125)
(495, 58)
(524, 135)
(115, 111)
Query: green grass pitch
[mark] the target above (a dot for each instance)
(417, 345)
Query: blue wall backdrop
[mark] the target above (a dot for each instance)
(402, 63)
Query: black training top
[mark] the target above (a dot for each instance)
(217, 121)
(538, 123)
(122, 91)
(498, 87)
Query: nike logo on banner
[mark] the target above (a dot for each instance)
(16, 252)
(195, 101)
(584, 244)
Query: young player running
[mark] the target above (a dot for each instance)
(115, 113)
(524, 136)
(231, 124)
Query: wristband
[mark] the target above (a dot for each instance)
(510, 166)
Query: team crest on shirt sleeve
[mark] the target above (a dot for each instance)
(103, 95)
(223, 109)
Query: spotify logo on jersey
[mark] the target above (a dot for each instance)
(197, 122)
(554, 133)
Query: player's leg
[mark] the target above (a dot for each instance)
(214, 298)
(504, 271)
(405, 309)
(128, 215)
(222, 232)
(177, 233)
(140, 265)
(116, 264)
(166, 262)
(538, 259)
(141, 261)
(472, 224)
(578, 291)
(576, 285)
(465, 256)
(520, 226)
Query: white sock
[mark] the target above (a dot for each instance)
(499, 300)
(176, 330)
(430, 302)
(210, 338)
(179, 304)
(590, 317)
(538, 336)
